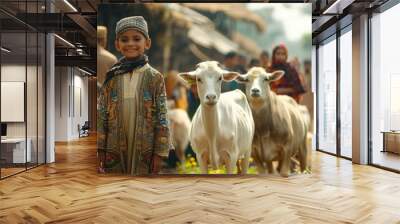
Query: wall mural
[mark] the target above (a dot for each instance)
(191, 88)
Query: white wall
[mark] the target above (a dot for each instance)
(13, 73)
(61, 103)
(80, 100)
(70, 83)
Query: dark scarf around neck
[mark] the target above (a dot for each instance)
(125, 65)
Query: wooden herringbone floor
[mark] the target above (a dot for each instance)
(70, 191)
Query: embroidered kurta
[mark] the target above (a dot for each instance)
(132, 122)
(130, 101)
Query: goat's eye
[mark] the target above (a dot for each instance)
(220, 78)
(198, 80)
(266, 79)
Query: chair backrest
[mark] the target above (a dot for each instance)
(86, 125)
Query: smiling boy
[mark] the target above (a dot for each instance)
(133, 132)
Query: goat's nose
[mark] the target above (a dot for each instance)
(211, 97)
(256, 91)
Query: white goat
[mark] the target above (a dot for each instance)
(180, 128)
(222, 127)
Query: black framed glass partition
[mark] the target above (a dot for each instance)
(345, 60)
(13, 86)
(377, 73)
(22, 88)
(326, 96)
(334, 94)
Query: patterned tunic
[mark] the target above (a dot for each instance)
(131, 150)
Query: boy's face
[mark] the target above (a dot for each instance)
(132, 44)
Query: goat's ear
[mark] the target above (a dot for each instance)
(230, 76)
(242, 78)
(276, 75)
(189, 77)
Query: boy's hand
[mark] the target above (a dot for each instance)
(157, 164)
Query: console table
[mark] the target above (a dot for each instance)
(391, 141)
(13, 150)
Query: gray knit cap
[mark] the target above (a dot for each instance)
(134, 22)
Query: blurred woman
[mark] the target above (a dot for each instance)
(290, 84)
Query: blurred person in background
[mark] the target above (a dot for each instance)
(254, 62)
(290, 84)
(231, 63)
(242, 62)
(295, 63)
(264, 60)
(307, 74)
(308, 97)
(176, 91)
(235, 63)
(231, 60)
(242, 69)
(105, 58)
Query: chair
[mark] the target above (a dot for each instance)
(84, 130)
